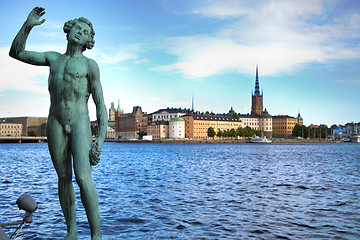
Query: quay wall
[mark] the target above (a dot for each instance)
(24, 139)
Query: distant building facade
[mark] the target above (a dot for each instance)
(158, 130)
(283, 125)
(113, 114)
(197, 125)
(168, 113)
(11, 129)
(352, 128)
(28, 123)
(110, 133)
(339, 130)
(177, 128)
(128, 125)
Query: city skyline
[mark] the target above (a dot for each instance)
(158, 54)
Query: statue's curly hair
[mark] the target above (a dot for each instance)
(69, 25)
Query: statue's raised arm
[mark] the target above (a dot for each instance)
(17, 49)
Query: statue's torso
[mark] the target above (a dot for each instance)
(69, 89)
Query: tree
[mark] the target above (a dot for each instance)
(42, 129)
(219, 133)
(33, 133)
(141, 134)
(211, 132)
(248, 131)
(240, 132)
(297, 131)
(235, 115)
(232, 133)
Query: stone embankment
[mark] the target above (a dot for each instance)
(197, 141)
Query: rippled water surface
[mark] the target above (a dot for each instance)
(196, 191)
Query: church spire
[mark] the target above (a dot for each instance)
(192, 103)
(257, 86)
(257, 97)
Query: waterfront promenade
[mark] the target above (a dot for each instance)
(28, 139)
(22, 139)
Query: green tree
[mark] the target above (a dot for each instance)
(219, 133)
(33, 133)
(211, 132)
(42, 129)
(240, 132)
(141, 134)
(235, 115)
(248, 132)
(297, 131)
(232, 133)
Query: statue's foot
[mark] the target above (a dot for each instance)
(96, 237)
(71, 236)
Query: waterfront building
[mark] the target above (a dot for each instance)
(28, 123)
(158, 129)
(197, 125)
(248, 120)
(110, 133)
(283, 125)
(265, 124)
(113, 114)
(352, 128)
(177, 128)
(338, 130)
(128, 125)
(168, 113)
(8, 129)
(257, 97)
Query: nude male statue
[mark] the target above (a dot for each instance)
(72, 79)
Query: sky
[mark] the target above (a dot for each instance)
(164, 53)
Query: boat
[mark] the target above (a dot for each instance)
(257, 139)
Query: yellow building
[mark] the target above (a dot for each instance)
(283, 125)
(197, 125)
(11, 129)
(28, 123)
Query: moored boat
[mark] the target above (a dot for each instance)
(257, 139)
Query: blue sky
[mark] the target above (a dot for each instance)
(159, 53)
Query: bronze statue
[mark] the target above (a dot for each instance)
(72, 79)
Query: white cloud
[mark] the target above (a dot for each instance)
(16, 75)
(116, 55)
(279, 35)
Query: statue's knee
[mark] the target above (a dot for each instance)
(83, 181)
(63, 177)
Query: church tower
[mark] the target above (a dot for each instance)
(112, 112)
(257, 98)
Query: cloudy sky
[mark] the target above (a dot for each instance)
(159, 53)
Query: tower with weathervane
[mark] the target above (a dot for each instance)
(257, 97)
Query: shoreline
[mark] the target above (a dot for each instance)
(176, 141)
(210, 141)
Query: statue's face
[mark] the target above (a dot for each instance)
(80, 33)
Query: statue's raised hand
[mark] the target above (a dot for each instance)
(35, 15)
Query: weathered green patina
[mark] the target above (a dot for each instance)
(72, 79)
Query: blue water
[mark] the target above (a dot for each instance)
(196, 191)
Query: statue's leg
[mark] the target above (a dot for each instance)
(59, 148)
(81, 142)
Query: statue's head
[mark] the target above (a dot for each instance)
(69, 25)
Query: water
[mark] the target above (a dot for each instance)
(196, 191)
